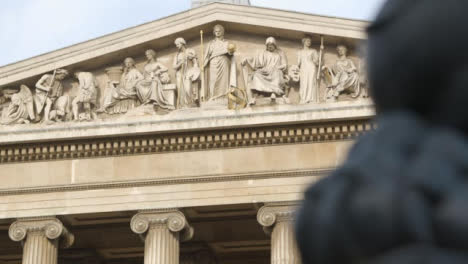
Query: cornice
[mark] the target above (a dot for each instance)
(188, 180)
(186, 141)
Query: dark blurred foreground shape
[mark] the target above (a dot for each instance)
(402, 195)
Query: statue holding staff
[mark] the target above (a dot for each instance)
(48, 89)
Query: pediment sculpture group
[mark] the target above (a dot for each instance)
(209, 81)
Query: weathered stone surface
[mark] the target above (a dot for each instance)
(162, 231)
(217, 107)
(112, 98)
(42, 238)
(278, 221)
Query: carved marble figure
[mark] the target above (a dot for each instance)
(187, 72)
(222, 67)
(49, 89)
(308, 63)
(342, 77)
(121, 96)
(269, 67)
(363, 80)
(21, 108)
(150, 90)
(86, 98)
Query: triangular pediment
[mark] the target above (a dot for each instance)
(160, 34)
(246, 27)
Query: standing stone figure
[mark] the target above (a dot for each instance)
(222, 70)
(269, 67)
(122, 96)
(308, 63)
(187, 72)
(48, 89)
(21, 108)
(150, 89)
(87, 96)
(342, 76)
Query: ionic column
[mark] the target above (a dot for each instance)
(277, 220)
(41, 239)
(162, 231)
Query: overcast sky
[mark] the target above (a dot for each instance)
(32, 27)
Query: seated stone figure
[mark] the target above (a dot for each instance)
(342, 77)
(269, 67)
(150, 90)
(121, 95)
(21, 108)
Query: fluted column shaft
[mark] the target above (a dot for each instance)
(42, 237)
(39, 249)
(161, 245)
(277, 220)
(162, 231)
(283, 244)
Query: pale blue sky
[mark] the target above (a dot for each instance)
(33, 27)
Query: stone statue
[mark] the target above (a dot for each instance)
(87, 97)
(48, 90)
(187, 72)
(121, 95)
(150, 90)
(363, 80)
(222, 67)
(308, 63)
(269, 67)
(21, 108)
(342, 77)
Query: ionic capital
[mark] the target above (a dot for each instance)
(272, 213)
(173, 219)
(50, 226)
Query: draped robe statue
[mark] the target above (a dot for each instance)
(222, 67)
(149, 90)
(122, 96)
(343, 76)
(308, 60)
(269, 66)
(187, 72)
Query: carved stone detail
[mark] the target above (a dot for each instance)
(342, 77)
(48, 103)
(84, 104)
(268, 76)
(184, 142)
(162, 231)
(187, 75)
(308, 62)
(277, 220)
(220, 65)
(273, 213)
(42, 237)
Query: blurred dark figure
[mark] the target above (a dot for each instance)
(402, 195)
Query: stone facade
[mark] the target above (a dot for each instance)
(185, 140)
